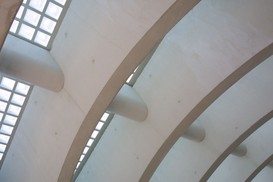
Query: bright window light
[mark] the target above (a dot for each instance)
(6, 129)
(90, 141)
(48, 25)
(99, 125)
(5, 95)
(42, 38)
(62, 2)
(53, 10)
(4, 138)
(26, 31)
(95, 134)
(85, 150)
(2, 147)
(7, 83)
(11, 120)
(3, 106)
(36, 20)
(81, 158)
(1, 156)
(22, 88)
(129, 79)
(32, 17)
(14, 26)
(13, 98)
(18, 99)
(20, 12)
(14, 110)
(104, 116)
(38, 4)
(78, 164)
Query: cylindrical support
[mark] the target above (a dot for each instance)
(129, 104)
(240, 151)
(30, 63)
(195, 132)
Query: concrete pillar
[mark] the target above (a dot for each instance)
(129, 104)
(195, 132)
(240, 151)
(30, 63)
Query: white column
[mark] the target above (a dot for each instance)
(195, 132)
(30, 63)
(129, 104)
(240, 151)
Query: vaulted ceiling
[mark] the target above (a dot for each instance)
(212, 68)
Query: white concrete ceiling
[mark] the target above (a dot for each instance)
(194, 74)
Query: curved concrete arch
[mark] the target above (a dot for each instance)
(202, 106)
(235, 144)
(260, 168)
(154, 35)
(259, 150)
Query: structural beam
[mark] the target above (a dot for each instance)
(129, 104)
(240, 151)
(30, 63)
(195, 132)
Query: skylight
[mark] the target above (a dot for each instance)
(13, 98)
(37, 21)
(102, 125)
(93, 140)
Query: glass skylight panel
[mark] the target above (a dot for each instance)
(94, 134)
(7, 83)
(2, 148)
(48, 25)
(22, 88)
(4, 139)
(14, 26)
(1, 116)
(10, 120)
(38, 4)
(104, 116)
(13, 98)
(3, 106)
(36, 20)
(6, 129)
(20, 12)
(18, 99)
(42, 38)
(32, 17)
(99, 125)
(62, 2)
(85, 150)
(14, 110)
(26, 31)
(89, 143)
(5, 95)
(53, 10)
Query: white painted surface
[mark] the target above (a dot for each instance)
(25, 61)
(203, 49)
(209, 44)
(129, 104)
(259, 149)
(93, 40)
